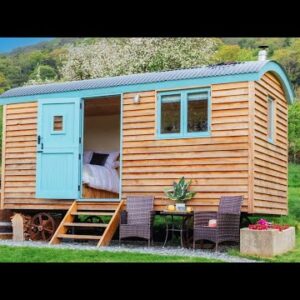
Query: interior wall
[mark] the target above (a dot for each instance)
(102, 133)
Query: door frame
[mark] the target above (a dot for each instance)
(96, 98)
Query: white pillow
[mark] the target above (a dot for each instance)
(87, 156)
(112, 158)
(116, 164)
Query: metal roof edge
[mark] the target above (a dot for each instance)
(278, 70)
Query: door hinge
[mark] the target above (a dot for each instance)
(80, 105)
(78, 187)
(79, 140)
(79, 156)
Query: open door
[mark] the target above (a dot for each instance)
(59, 148)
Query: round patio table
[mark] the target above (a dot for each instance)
(182, 228)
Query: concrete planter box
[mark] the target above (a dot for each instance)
(267, 242)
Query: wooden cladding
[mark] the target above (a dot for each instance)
(237, 159)
(19, 160)
(217, 165)
(270, 158)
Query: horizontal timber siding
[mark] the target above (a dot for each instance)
(19, 178)
(270, 160)
(217, 165)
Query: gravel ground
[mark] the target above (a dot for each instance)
(140, 248)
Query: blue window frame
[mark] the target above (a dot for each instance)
(183, 114)
(271, 119)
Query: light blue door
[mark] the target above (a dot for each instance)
(58, 149)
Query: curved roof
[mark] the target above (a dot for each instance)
(219, 71)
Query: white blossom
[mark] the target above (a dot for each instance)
(118, 56)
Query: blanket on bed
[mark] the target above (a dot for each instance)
(100, 177)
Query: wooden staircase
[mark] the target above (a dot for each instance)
(70, 223)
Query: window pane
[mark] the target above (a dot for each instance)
(170, 114)
(197, 112)
(270, 118)
(57, 123)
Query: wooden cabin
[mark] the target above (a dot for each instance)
(222, 126)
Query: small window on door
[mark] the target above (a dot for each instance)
(58, 123)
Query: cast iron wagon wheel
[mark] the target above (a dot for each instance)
(42, 227)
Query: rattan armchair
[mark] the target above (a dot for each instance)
(228, 222)
(137, 219)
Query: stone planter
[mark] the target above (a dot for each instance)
(267, 242)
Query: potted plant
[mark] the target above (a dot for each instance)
(180, 193)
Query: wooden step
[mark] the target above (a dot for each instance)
(85, 224)
(88, 213)
(79, 236)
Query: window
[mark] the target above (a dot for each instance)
(170, 114)
(197, 112)
(58, 123)
(183, 114)
(271, 111)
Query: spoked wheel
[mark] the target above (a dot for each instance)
(42, 227)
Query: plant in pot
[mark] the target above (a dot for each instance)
(180, 193)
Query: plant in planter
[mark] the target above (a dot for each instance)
(267, 239)
(180, 193)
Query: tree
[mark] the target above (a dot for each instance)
(43, 73)
(4, 85)
(233, 53)
(111, 57)
(294, 132)
(289, 57)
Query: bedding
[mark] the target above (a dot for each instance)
(101, 177)
(111, 161)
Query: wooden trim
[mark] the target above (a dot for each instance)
(112, 226)
(3, 157)
(251, 146)
(61, 229)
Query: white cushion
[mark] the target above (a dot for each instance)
(87, 156)
(112, 158)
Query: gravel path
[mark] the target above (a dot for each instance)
(114, 247)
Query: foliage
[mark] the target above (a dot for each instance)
(42, 74)
(4, 85)
(233, 53)
(111, 57)
(294, 132)
(180, 191)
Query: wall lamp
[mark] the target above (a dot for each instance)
(136, 99)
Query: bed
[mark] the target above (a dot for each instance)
(101, 180)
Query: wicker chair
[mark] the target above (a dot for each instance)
(228, 222)
(137, 219)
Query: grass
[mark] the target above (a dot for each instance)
(293, 218)
(32, 254)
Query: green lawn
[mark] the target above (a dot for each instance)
(293, 217)
(31, 254)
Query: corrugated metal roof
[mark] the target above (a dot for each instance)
(191, 73)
